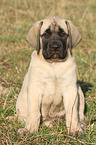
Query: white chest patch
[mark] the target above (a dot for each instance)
(52, 91)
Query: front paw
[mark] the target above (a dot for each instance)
(28, 128)
(32, 127)
(21, 131)
(76, 131)
(32, 123)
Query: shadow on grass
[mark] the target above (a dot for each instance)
(85, 86)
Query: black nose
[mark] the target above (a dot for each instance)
(55, 45)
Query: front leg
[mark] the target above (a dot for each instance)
(33, 113)
(70, 99)
(33, 109)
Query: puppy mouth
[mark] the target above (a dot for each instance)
(55, 56)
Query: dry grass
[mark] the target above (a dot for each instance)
(16, 17)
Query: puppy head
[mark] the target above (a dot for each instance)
(53, 35)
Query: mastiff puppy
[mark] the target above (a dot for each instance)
(50, 87)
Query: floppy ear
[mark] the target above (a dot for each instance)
(75, 35)
(33, 36)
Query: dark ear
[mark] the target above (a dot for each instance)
(75, 35)
(33, 36)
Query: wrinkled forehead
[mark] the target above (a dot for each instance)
(54, 25)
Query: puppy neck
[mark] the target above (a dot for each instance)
(42, 59)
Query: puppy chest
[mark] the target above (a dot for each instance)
(52, 91)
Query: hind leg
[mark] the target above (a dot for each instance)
(81, 104)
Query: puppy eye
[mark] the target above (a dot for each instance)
(62, 33)
(46, 34)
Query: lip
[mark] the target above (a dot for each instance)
(55, 56)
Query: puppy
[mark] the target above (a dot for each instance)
(50, 87)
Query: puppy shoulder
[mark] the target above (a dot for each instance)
(34, 54)
(34, 58)
(36, 61)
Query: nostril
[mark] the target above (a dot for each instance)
(55, 45)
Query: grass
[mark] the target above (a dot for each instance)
(16, 17)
